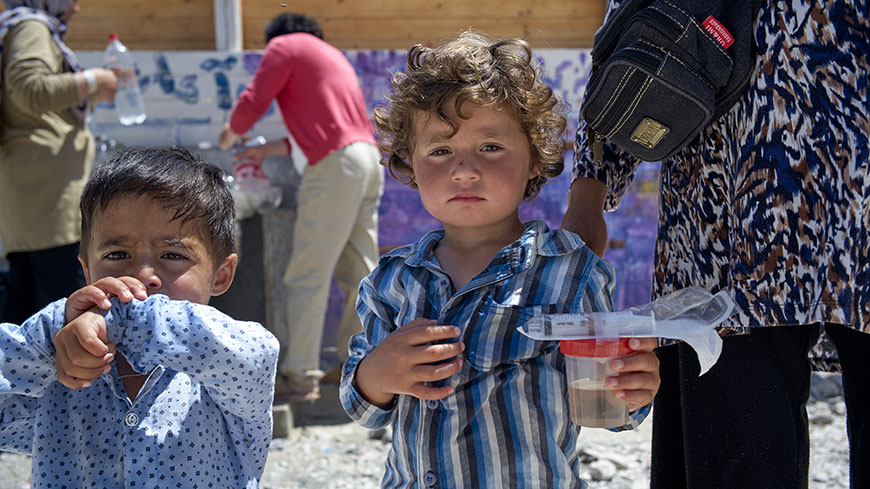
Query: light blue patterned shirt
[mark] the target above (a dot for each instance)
(203, 418)
(507, 424)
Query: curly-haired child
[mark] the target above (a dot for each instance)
(473, 402)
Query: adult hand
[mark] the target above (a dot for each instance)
(406, 360)
(254, 154)
(227, 138)
(639, 378)
(107, 85)
(585, 213)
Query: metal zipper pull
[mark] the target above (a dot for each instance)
(597, 146)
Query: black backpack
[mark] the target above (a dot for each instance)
(662, 70)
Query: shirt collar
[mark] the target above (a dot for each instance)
(113, 380)
(537, 239)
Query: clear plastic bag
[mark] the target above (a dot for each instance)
(689, 314)
(251, 188)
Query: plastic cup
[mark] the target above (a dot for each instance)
(587, 365)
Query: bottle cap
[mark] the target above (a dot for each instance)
(113, 36)
(595, 348)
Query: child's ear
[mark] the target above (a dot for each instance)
(85, 269)
(534, 169)
(223, 276)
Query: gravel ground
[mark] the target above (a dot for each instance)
(331, 453)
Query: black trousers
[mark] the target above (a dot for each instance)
(37, 278)
(744, 423)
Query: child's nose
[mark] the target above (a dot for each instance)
(148, 276)
(465, 170)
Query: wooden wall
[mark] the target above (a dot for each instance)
(347, 24)
(143, 24)
(397, 24)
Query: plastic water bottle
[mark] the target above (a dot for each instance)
(251, 187)
(128, 99)
(240, 200)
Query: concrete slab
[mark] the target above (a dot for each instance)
(282, 420)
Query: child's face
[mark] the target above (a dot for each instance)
(476, 177)
(136, 236)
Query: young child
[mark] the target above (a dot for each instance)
(473, 402)
(162, 391)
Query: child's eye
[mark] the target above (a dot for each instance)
(440, 152)
(174, 256)
(491, 147)
(116, 255)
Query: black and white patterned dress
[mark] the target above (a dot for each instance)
(773, 201)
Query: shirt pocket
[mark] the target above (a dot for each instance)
(492, 339)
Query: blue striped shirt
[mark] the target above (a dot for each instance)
(203, 418)
(507, 424)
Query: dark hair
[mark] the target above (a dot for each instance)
(485, 71)
(174, 177)
(292, 23)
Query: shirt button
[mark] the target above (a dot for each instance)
(430, 478)
(442, 283)
(431, 404)
(131, 419)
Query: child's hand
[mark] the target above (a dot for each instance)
(99, 293)
(83, 350)
(406, 360)
(639, 378)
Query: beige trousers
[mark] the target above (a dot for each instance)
(336, 230)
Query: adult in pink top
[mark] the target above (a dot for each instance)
(317, 92)
(323, 108)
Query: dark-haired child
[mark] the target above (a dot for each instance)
(160, 390)
(473, 402)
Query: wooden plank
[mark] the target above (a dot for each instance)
(396, 24)
(144, 24)
(164, 25)
(385, 8)
(362, 33)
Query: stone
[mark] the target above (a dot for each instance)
(282, 420)
(821, 419)
(382, 434)
(826, 386)
(602, 470)
(621, 462)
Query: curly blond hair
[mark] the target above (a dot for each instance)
(477, 68)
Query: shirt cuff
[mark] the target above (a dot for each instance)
(91, 78)
(116, 321)
(634, 419)
(359, 409)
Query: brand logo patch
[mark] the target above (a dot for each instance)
(718, 31)
(649, 133)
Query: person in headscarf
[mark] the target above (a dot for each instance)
(46, 151)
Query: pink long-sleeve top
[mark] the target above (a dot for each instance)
(317, 92)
